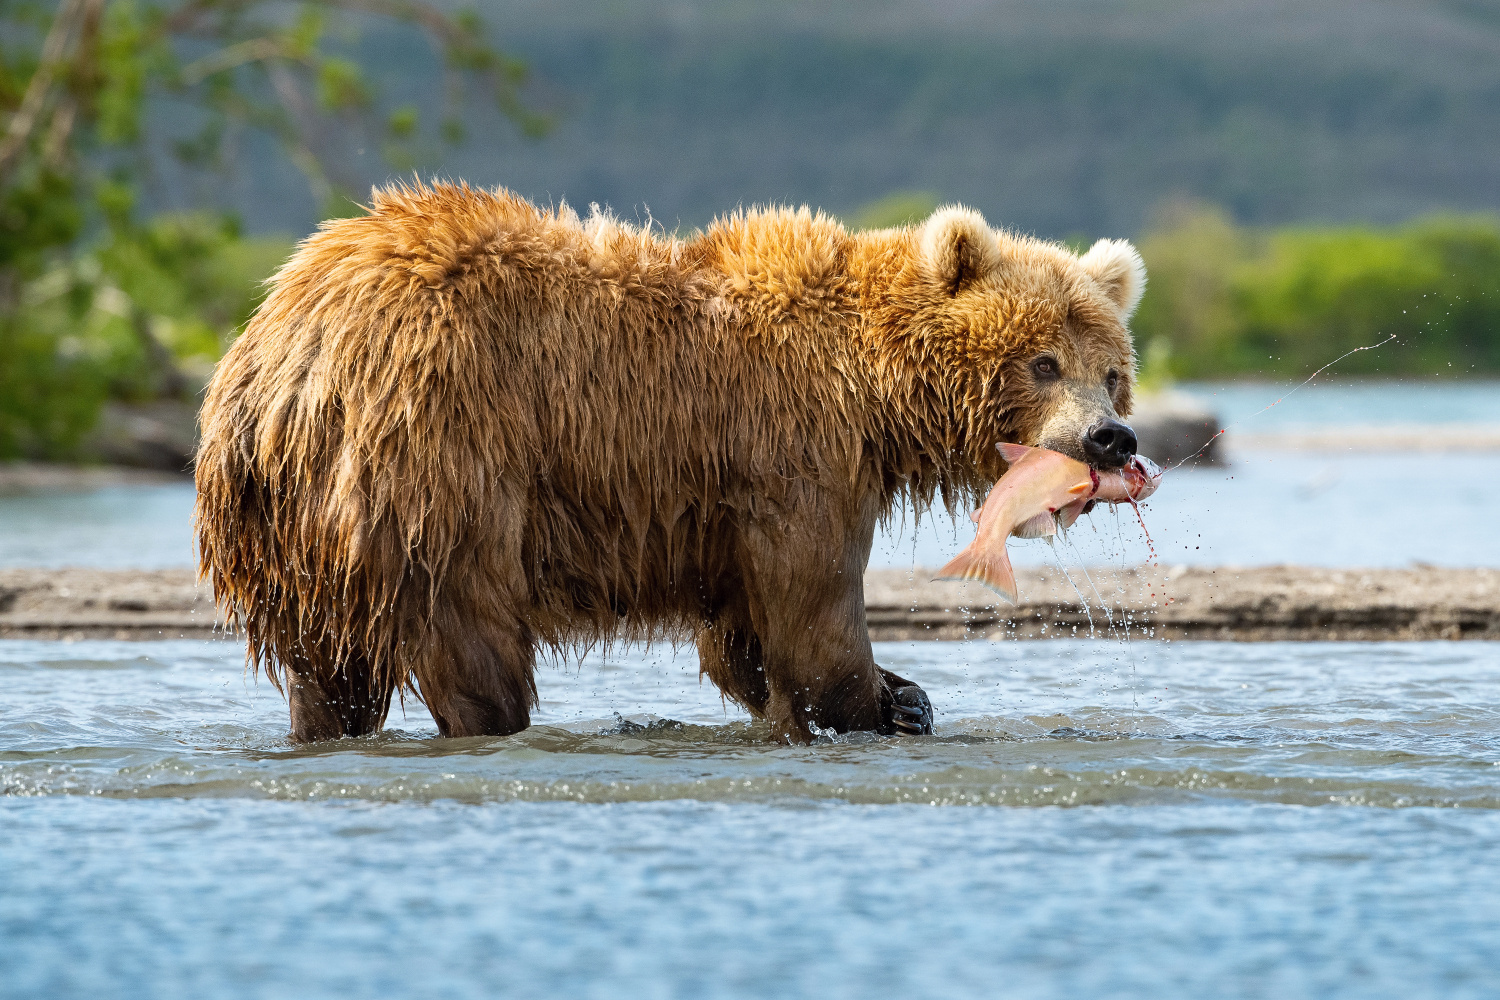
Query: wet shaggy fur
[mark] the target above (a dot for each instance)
(462, 427)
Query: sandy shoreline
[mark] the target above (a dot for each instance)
(1227, 603)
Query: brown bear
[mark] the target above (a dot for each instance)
(462, 426)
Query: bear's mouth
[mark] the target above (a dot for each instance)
(1109, 444)
(1106, 444)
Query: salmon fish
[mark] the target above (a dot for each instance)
(1131, 484)
(1040, 492)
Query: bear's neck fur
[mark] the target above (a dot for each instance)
(929, 387)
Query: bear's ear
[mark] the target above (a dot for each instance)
(1119, 270)
(958, 247)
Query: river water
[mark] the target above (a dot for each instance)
(1091, 819)
(1263, 508)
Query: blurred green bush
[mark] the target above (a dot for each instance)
(96, 302)
(1225, 300)
(899, 208)
(141, 312)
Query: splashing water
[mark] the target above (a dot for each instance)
(1152, 557)
(1224, 430)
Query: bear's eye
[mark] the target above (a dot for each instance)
(1045, 367)
(1112, 382)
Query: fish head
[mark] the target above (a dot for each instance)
(1142, 476)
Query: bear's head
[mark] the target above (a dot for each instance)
(1025, 340)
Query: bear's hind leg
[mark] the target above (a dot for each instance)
(479, 678)
(729, 655)
(347, 701)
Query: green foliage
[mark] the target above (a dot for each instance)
(1155, 372)
(193, 278)
(37, 213)
(48, 397)
(96, 303)
(128, 56)
(901, 208)
(142, 315)
(341, 85)
(402, 122)
(1231, 300)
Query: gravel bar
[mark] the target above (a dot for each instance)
(1173, 602)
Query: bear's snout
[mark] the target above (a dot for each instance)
(1108, 444)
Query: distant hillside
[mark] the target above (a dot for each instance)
(1065, 117)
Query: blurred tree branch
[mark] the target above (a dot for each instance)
(98, 303)
(75, 19)
(270, 67)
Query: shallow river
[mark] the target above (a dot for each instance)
(1306, 507)
(1093, 819)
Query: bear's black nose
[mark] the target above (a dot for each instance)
(1108, 444)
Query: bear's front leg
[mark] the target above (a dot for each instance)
(908, 709)
(730, 654)
(804, 579)
(818, 681)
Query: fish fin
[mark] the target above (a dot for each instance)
(991, 569)
(1071, 513)
(1012, 453)
(1075, 490)
(1036, 527)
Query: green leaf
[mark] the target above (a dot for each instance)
(341, 85)
(402, 122)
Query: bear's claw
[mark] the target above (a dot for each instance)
(911, 711)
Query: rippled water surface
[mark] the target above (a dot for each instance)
(1091, 819)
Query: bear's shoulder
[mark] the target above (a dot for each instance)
(781, 265)
(436, 235)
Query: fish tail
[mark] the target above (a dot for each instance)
(991, 568)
